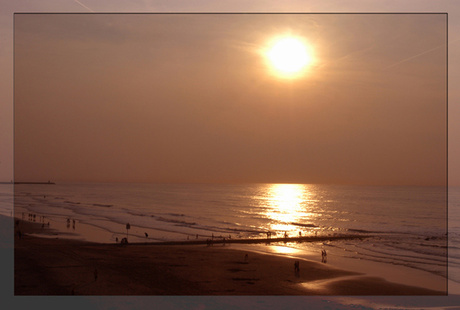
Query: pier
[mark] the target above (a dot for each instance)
(255, 240)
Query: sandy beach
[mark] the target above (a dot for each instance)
(58, 266)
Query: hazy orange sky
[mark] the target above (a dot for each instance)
(190, 98)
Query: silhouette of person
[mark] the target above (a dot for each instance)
(323, 256)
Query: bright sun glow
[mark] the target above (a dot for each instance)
(289, 56)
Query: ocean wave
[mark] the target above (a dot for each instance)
(176, 214)
(174, 221)
(303, 225)
(393, 252)
(102, 205)
(369, 252)
(361, 231)
(71, 202)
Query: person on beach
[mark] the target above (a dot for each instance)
(297, 268)
(323, 256)
(146, 235)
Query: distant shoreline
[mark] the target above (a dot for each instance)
(38, 230)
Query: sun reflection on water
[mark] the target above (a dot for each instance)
(289, 207)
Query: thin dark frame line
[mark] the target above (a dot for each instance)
(269, 13)
(447, 153)
(232, 13)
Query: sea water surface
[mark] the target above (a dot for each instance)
(407, 225)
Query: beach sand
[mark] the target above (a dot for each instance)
(58, 266)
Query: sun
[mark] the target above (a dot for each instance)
(289, 56)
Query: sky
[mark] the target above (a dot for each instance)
(192, 98)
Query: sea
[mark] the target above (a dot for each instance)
(402, 227)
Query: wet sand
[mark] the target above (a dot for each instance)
(57, 266)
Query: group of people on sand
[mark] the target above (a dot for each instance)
(297, 263)
(122, 241)
(68, 223)
(33, 217)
